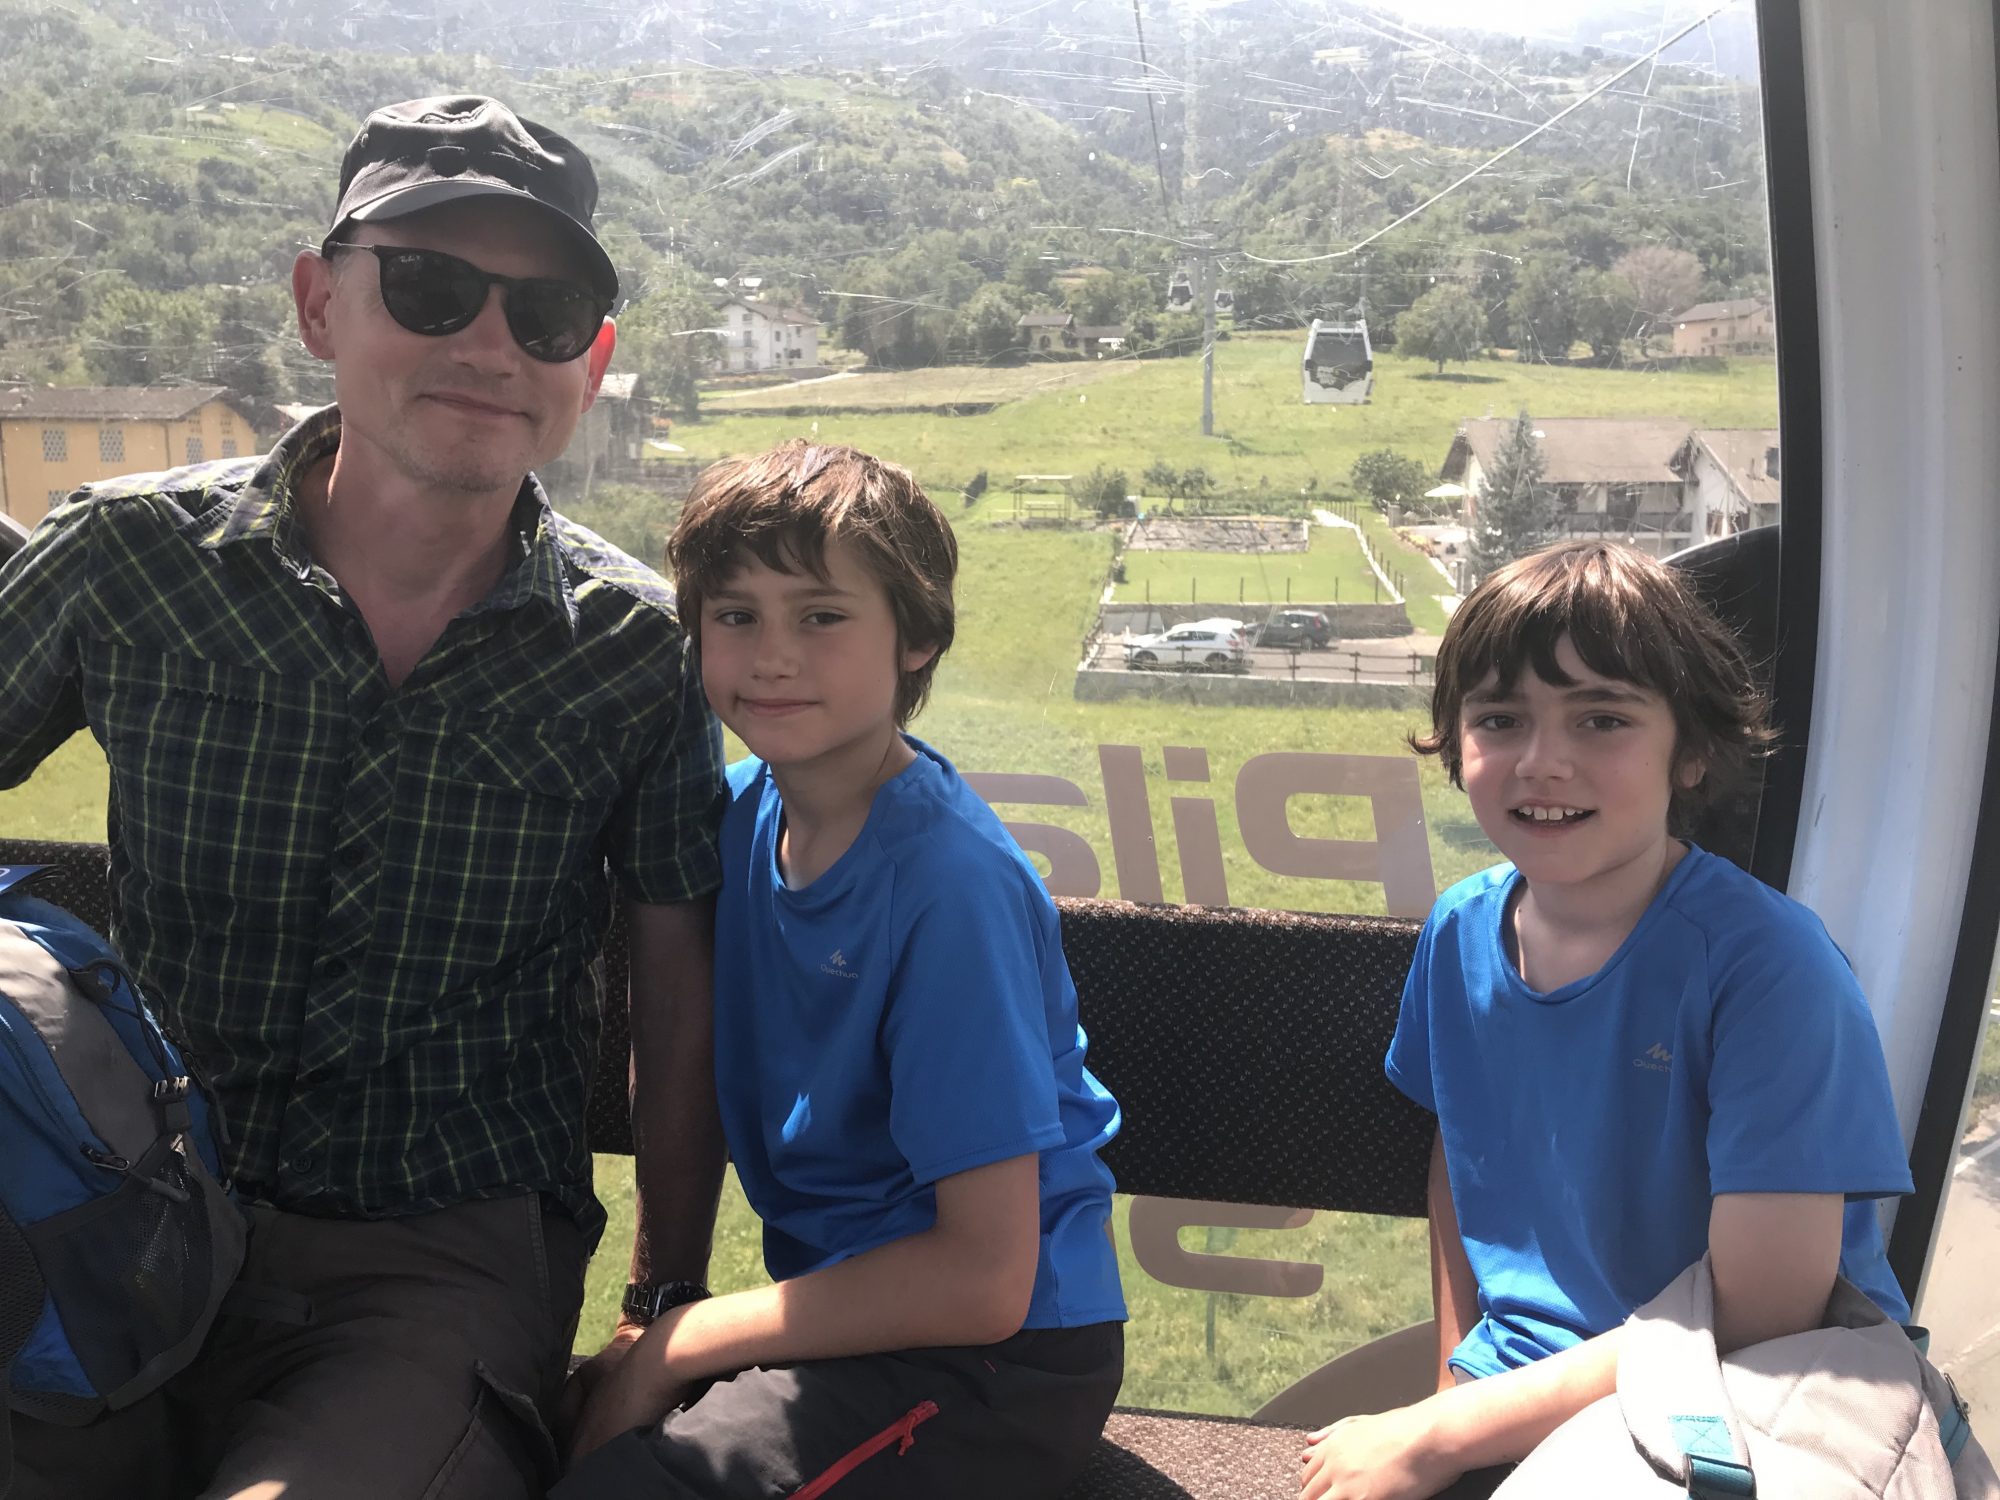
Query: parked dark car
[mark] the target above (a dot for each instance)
(1295, 627)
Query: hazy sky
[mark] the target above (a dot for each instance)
(1621, 26)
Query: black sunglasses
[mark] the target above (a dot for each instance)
(432, 293)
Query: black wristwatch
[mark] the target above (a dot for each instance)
(646, 1300)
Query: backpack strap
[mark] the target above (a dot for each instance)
(1953, 1430)
(21, 1297)
(1716, 1479)
(11, 876)
(1671, 1395)
(1950, 1408)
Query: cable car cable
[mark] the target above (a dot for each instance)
(1497, 156)
(1146, 68)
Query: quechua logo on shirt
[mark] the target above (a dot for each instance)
(836, 965)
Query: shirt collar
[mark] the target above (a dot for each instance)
(266, 507)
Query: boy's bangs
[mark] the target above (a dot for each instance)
(796, 547)
(783, 539)
(1599, 624)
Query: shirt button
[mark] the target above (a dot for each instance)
(303, 1163)
(354, 854)
(333, 968)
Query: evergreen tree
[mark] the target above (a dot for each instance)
(1516, 513)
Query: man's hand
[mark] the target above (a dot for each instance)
(633, 1387)
(1392, 1456)
(589, 1376)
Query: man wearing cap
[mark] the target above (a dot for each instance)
(384, 732)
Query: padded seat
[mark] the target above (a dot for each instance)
(1153, 1455)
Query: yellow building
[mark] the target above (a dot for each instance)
(54, 438)
(1740, 327)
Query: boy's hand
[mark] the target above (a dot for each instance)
(1392, 1456)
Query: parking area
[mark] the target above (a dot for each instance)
(1404, 659)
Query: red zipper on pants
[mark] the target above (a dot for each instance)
(902, 1432)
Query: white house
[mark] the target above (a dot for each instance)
(767, 336)
(1612, 474)
(1732, 477)
(1659, 485)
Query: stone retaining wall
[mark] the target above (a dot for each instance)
(1099, 685)
(1246, 534)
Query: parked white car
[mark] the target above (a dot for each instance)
(1199, 646)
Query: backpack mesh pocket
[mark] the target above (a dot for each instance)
(131, 1274)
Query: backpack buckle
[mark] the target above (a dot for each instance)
(171, 1095)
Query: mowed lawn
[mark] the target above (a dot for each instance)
(942, 387)
(1266, 441)
(1331, 571)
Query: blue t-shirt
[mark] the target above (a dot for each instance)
(1724, 1048)
(906, 1016)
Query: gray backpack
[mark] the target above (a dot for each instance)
(1843, 1411)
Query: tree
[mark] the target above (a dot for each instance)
(992, 317)
(1102, 489)
(1160, 478)
(1098, 300)
(1607, 313)
(135, 337)
(1542, 309)
(1388, 479)
(1664, 281)
(1195, 483)
(1445, 323)
(250, 328)
(1515, 512)
(663, 336)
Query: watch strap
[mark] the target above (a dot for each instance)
(647, 1300)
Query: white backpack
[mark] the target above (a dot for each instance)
(1847, 1410)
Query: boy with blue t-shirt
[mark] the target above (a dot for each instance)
(1637, 1053)
(899, 1067)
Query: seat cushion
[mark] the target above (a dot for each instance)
(1151, 1455)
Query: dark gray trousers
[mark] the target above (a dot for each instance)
(1014, 1420)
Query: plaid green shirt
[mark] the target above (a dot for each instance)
(373, 913)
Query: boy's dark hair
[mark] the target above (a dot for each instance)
(1631, 618)
(783, 507)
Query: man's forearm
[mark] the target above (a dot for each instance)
(676, 1130)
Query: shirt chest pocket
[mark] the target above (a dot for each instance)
(221, 773)
(501, 820)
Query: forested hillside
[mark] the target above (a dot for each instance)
(917, 189)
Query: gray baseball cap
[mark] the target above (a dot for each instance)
(425, 151)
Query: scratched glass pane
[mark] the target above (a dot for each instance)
(1216, 328)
